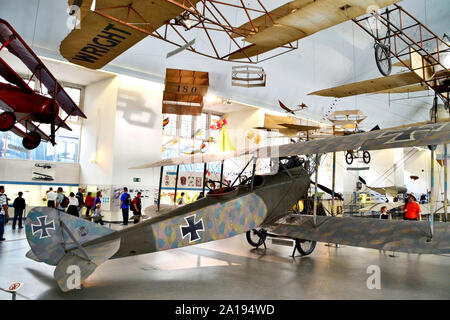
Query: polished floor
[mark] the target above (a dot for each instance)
(231, 269)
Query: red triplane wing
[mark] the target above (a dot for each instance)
(11, 76)
(29, 126)
(20, 49)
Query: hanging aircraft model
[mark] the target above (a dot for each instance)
(301, 106)
(116, 25)
(258, 205)
(23, 107)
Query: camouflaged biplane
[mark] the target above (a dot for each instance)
(258, 205)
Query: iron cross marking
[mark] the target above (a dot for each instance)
(192, 228)
(42, 227)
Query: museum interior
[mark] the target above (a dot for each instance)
(291, 149)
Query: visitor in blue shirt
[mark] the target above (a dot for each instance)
(125, 205)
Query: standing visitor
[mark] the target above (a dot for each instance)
(89, 203)
(3, 211)
(384, 214)
(136, 206)
(51, 196)
(73, 205)
(125, 205)
(59, 200)
(19, 207)
(97, 216)
(412, 209)
(79, 197)
(182, 201)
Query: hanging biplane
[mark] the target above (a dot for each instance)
(286, 125)
(257, 205)
(390, 192)
(23, 107)
(116, 25)
(301, 106)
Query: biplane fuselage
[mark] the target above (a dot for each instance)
(38, 106)
(214, 218)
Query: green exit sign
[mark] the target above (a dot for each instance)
(136, 179)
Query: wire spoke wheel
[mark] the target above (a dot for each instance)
(366, 157)
(383, 59)
(305, 247)
(256, 237)
(349, 158)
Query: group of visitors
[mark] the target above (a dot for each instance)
(411, 210)
(19, 208)
(75, 203)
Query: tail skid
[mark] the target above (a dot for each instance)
(57, 238)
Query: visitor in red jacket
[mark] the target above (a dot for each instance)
(89, 203)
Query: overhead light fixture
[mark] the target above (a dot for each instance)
(211, 98)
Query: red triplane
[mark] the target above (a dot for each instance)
(22, 106)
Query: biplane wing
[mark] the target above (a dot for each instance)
(299, 127)
(400, 82)
(17, 46)
(11, 76)
(429, 134)
(30, 126)
(296, 20)
(391, 191)
(395, 235)
(101, 37)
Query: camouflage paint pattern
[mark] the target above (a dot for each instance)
(395, 235)
(220, 221)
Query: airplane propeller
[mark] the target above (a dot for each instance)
(327, 190)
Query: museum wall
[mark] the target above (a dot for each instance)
(21, 172)
(419, 165)
(240, 122)
(97, 134)
(138, 134)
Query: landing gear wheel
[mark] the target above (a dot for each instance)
(256, 237)
(305, 247)
(366, 157)
(349, 158)
(31, 141)
(383, 59)
(7, 121)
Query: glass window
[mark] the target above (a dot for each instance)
(15, 149)
(2, 144)
(75, 94)
(171, 128)
(45, 152)
(186, 126)
(67, 148)
(201, 123)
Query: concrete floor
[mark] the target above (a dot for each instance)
(231, 269)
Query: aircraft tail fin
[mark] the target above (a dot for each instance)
(57, 239)
(77, 265)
